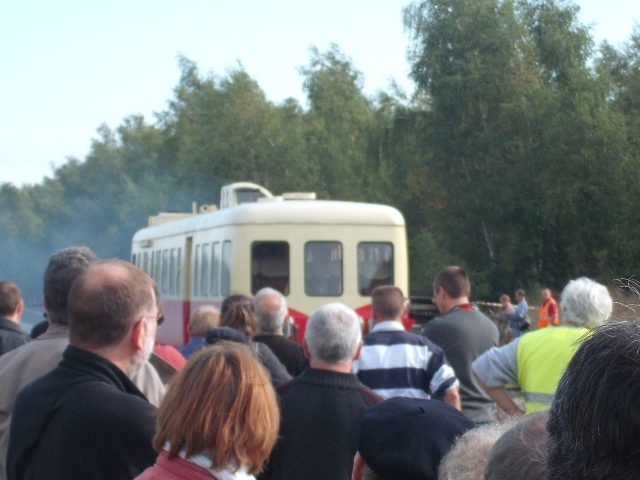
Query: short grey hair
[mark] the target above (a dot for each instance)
(467, 458)
(63, 268)
(585, 302)
(333, 334)
(270, 320)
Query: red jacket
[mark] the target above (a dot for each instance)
(175, 469)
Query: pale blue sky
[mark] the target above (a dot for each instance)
(68, 66)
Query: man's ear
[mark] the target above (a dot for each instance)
(138, 334)
(20, 308)
(357, 356)
(306, 349)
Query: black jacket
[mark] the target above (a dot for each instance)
(83, 420)
(11, 336)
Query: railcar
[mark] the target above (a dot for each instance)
(313, 251)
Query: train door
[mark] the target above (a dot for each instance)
(187, 288)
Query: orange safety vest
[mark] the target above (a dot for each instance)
(545, 316)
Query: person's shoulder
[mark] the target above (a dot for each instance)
(97, 401)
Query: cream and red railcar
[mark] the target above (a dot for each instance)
(313, 251)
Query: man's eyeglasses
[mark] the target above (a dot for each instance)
(159, 318)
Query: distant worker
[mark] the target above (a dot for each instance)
(537, 360)
(464, 333)
(270, 309)
(321, 409)
(202, 319)
(519, 319)
(548, 311)
(11, 309)
(86, 419)
(394, 362)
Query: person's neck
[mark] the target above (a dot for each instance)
(455, 302)
(342, 367)
(116, 356)
(15, 318)
(378, 321)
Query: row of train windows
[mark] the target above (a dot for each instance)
(270, 267)
(323, 267)
(165, 267)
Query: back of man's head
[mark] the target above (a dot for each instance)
(387, 302)
(10, 297)
(594, 426)
(270, 308)
(585, 302)
(454, 280)
(64, 267)
(521, 451)
(333, 334)
(105, 302)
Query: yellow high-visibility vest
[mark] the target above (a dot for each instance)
(543, 356)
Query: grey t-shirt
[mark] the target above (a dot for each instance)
(465, 333)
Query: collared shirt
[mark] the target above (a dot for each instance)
(394, 362)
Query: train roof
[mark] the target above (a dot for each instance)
(293, 212)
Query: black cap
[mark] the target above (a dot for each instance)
(407, 437)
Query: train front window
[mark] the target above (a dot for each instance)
(270, 266)
(375, 266)
(323, 269)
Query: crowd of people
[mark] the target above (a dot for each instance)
(93, 395)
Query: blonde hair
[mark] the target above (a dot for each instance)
(221, 404)
(203, 319)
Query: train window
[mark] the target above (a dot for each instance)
(172, 272)
(215, 270)
(375, 266)
(133, 258)
(158, 270)
(196, 272)
(225, 283)
(270, 266)
(145, 263)
(165, 271)
(323, 269)
(205, 272)
(179, 272)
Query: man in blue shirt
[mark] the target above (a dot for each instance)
(519, 320)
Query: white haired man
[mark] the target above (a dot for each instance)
(537, 360)
(270, 309)
(321, 408)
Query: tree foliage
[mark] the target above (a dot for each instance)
(517, 156)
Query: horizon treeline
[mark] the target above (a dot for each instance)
(517, 156)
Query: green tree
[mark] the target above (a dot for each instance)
(339, 123)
